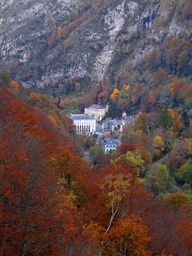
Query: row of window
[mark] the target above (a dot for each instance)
(84, 129)
(81, 126)
(110, 146)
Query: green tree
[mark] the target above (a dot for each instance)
(136, 161)
(5, 78)
(184, 174)
(158, 179)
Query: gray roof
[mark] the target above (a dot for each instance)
(111, 142)
(97, 106)
(116, 122)
(81, 117)
(130, 118)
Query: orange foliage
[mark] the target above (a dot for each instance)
(180, 89)
(176, 121)
(14, 84)
(119, 195)
(177, 124)
(53, 121)
(128, 236)
(115, 94)
(178, 200)
(38, 201)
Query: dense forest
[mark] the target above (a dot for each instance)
(136, 201)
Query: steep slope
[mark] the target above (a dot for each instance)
(53, 203)
(37, 207)
(46, 42)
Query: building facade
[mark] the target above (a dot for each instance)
(110, 145)
(112, 125)
(97, 111)
(84, 124)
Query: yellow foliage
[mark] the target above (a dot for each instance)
(116, 188)
(37, 97)
(158, 142)
(171, 113)
(126, 88)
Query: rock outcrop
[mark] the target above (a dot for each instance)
(95, 46)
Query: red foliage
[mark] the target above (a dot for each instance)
(123, 148)
(52, 204)
(34, 220)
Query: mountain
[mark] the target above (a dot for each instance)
(46, 42)
(135, 57)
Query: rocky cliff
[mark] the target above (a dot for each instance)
(48, 41)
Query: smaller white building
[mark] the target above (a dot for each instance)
(97, 111)
(110, 145)
(84, 124)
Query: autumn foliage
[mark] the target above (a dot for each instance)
(53, 203)
(35, 197)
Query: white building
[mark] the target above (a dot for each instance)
(110, 145)
(97, 111)
(84, 124)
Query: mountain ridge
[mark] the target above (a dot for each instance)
(85, 41)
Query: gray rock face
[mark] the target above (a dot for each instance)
(89, 51)
(25, 26)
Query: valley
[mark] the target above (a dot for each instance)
(95, 128)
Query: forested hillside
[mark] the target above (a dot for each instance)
(53, 203)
